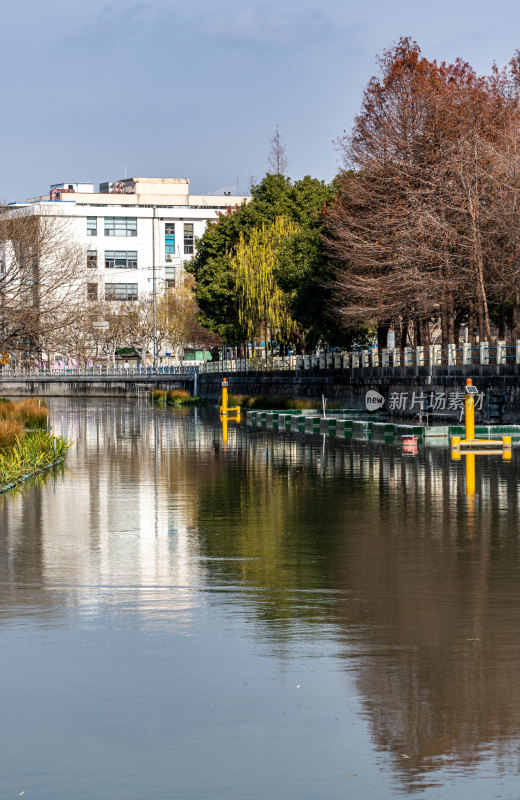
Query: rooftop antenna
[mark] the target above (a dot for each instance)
(125, 172)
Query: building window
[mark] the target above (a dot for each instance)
(169, 238)
(120, 226)
(91, 259)
(121, 291)
(91, 291)
(91, 226)
(120, 259)
(189, 238)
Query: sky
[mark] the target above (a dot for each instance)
(162, 88)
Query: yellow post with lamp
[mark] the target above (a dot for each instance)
(469, 410)
(470, 442)
(226, 413)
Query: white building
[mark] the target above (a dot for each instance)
(133, 230)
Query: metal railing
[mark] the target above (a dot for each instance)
(111, 372)
(484, 354)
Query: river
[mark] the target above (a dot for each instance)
(284, 616)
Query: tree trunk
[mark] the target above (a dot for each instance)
(456, 323)
(382, 334)
(416, 333)
(502, 321)
(425, 332)
(516, 317)
(471, 324)
(404, 333)
(481, 317)
(444, 328)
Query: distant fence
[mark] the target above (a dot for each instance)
(483, 354)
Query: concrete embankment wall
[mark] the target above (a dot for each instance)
(89, 386)
(405, 390)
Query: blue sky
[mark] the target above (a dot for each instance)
(178, 89)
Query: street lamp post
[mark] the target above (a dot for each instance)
(154, 294)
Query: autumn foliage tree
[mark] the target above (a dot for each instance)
(424, 225)
(177, 318)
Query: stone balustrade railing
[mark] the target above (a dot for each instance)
(499, 353)
(482, 354)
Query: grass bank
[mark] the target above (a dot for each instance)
(178, 397)
(26, 446)
(277, 403)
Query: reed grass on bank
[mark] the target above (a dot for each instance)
(28, 413)
(30, 455)
(277, 403)
(179, 397)
(175, 397)
(10, 432)
(26, 446)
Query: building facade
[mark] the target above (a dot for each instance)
(137, 233)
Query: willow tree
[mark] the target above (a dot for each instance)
(262, 307)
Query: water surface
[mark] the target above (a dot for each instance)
(284, 616)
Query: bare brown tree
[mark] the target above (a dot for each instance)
(42, 285)
(415, 224)
(277, 161)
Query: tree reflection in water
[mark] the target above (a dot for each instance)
(343, 547)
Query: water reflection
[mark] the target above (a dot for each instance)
(366, 561)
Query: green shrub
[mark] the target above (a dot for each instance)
(241, 400)
(178, 397)
(158, 396)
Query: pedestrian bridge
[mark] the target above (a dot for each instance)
(96, 382)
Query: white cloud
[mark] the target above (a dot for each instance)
(260, 25)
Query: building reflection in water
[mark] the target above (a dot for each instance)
(341, 546)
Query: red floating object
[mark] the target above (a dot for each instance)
(410, 444)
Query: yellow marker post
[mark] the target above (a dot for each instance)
(469, 409)
(224, 406)
(224, 428)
